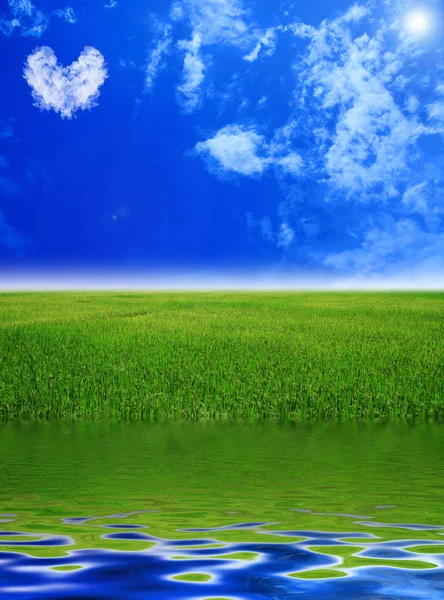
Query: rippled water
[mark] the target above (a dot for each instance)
(235, 511)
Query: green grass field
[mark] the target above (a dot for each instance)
(299, 356)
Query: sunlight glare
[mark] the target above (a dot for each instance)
(419, 22)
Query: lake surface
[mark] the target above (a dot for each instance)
(220, 510)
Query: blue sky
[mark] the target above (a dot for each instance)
(217, 138)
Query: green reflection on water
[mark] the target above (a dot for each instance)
(427, 549)
(193, 577)
(206, 475)
(318, 574)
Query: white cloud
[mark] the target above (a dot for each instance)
(65, 89)
(155, 62)
(193, 74)
(25, 18)
(349, 80)
(236, 149)
(244, 151)
(67, 14)
(111, 4)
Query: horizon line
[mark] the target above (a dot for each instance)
(208, 282)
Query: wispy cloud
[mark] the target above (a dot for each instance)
(189, 95)
(125, 63)
(65, 89)
(266, 229)
(216, 21)
(282, 239)
(156, 57)
(212, 22)
(262, 102)
(397, 246)
(266, 42)
(111, 4)
(285, 236)
(6, 131)
(26, 19)
(415, 198)
(66, 14)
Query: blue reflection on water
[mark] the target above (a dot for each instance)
(116, 575)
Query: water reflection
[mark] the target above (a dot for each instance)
(352, 564)
(221, 511)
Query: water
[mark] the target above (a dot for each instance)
(232, 511)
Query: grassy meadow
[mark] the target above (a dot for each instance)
(298, 356)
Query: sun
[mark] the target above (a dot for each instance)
(418, 22)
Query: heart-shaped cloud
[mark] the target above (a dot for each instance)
(65, 89)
